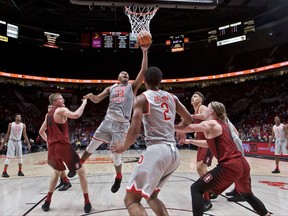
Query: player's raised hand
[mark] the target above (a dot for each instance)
(88, 96)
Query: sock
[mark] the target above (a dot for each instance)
(119, 175)
(86, 198)
(82, 161)
(277, 167)
(206, 196)
(49, 195)
(5, 169)
(65, 179)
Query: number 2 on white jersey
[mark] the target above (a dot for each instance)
(166, 110)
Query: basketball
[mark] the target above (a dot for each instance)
(144, 38)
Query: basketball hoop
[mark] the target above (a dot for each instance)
(140, 17)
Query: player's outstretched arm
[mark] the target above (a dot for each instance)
(144, 65)
(73, 115)
(99, 97)
(200, 143)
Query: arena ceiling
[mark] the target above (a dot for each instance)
(61, 16)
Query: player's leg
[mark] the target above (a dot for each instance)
(93, 145)
(243, 185)
(84, 186)
(132, 202)
(6, 163)
(53, 183)
(277, 154)
(157, 205)
(9, 154)
(18, 150)
(214, 180)
(118, 137)
(101, 135)
(117, 159)
(65, 183)
(203, 160)
(72, 160)
(165, 166)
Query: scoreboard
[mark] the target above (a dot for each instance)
(231, 33)
(177, 43)
(8, 30)
(109, 40)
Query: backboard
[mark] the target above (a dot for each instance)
(177, 4)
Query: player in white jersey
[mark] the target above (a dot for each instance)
(117, 119)
(13, 137)
(279, 134)
(157, 109)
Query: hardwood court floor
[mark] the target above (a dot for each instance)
(23, 195)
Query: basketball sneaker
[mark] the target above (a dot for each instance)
(207, 205)
(115, 187)
(20, 173)
(276, 171)
(236, 198)
(231, 193)
(60, 184)
(46, 206)
(65, 186)
(5, 174)
(213, 195)
(87, 207)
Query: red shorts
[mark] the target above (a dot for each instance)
(61, 154)
(236, 170)
(205, 155)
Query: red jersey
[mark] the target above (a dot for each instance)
(223, 146)
(200, 135)
(56, 133)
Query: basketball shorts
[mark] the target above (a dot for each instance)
(154, 168)
(236, 170)
(14, 149)
(280, 147)
(60, 155)
(111, 131)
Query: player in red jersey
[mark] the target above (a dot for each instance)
(232, 166)
(65, 183)
(60, 150)
(204, 155)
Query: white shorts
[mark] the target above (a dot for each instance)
(280, 147)
(14, 148)
(154, 168)
(111, 131)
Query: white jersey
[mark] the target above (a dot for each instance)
(235, 137)
(159, 120)
(279, 132)
(16, 131)
(121, 100)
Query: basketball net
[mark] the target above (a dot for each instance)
(140, 17)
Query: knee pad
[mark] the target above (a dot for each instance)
(6, 161)
(93, 145)
(117, 159)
